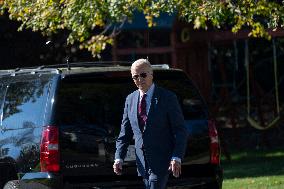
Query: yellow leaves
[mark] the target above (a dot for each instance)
(200, 21)
(96, 44)
(50, 3)
(261, 7)
(98, 22)
(82, 38)
(258, 30)
(150, 20)
(27, 10)
(197, 22)
(258, 16)
(82, 17)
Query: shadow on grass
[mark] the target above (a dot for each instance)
(254, 164)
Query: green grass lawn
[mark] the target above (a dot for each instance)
(254, 170)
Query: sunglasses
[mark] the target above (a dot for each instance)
(142, 75)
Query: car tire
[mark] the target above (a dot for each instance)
(13, 184)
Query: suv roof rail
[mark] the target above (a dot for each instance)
(88, 64)
(54, 67)
(31, 70)
(99, 63)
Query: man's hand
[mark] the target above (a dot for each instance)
(175, 167)
(117, 168)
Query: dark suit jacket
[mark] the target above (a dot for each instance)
(164, 136)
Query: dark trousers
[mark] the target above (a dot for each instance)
(152, 181)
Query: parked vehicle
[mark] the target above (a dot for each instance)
(58, 127)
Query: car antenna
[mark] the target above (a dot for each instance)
(67, 62)
(68, 54)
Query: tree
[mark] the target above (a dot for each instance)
(94, 23)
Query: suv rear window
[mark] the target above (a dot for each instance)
(24, 102)
(99, 100)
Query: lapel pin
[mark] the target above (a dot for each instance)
(156, 100)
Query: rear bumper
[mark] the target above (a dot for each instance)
(42, 180)
(55, 181)
(136, 184)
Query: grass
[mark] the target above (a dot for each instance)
(254, 170)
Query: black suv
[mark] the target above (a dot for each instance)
(59, 124)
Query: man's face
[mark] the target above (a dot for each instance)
(142, 77)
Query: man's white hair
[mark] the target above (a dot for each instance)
(140, 62)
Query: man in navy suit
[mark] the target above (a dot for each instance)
(153, 116)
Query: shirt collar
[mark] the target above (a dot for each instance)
(149, 93)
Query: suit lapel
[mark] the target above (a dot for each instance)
(153, 107)
(134, 107)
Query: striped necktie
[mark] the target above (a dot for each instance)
(142, 114)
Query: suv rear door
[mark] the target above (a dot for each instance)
(89, 110)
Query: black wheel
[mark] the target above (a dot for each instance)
(13, 184)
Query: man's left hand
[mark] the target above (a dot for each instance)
(175, 167)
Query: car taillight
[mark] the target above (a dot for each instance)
(214, 143)
(49, 149)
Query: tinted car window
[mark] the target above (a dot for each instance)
(24, 102)
(190, 100)
(94, 101)
(99, 101)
